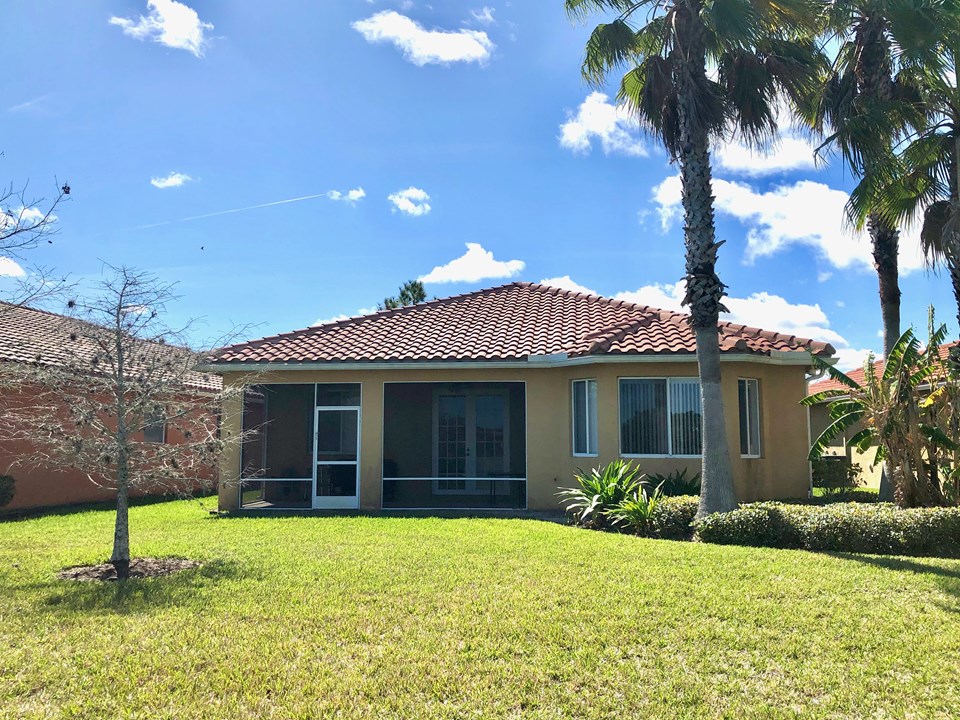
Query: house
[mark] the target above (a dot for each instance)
(31, 336)
(494, 398)
(869, 474)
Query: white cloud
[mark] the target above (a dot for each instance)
(567, 283)
(169, 23)
(762, 310)
(484, 15)
(421, 46)
(172, 180)
(598, 118)
(790, 150)
(804, 213)
(338, 318)
(9, 268)
(23, 218)
(474, 265)
(412, 201)
(351, 196)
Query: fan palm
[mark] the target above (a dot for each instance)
(921, 182)
(872, 96)
(761, 53)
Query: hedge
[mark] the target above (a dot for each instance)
(879, 528)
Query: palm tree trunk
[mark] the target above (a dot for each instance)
(885, 241)
(704, 291)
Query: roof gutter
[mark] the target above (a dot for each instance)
(555, 360)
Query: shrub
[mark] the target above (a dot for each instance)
(6, 490)
(879, 528)
(836, 475)
(677, 483)
(673, 518)
(599, 491)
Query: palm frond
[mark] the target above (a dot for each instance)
(610, 46)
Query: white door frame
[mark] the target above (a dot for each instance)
(335, 502)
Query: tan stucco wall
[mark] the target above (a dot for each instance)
(781, 471)
(869, 474)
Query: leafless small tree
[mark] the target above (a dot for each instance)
(119, 376)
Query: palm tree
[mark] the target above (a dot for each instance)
(872, 96)
(761, 52)
(921, 182)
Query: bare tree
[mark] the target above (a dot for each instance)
(25, 223)
(120, 397)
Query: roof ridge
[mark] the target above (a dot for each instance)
(386, 312)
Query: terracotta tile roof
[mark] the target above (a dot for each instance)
(29, 335)
(859, 375)
(509, 322)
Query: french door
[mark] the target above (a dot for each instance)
(336, 477)
(471, 439)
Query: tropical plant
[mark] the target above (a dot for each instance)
(762, 52)
(638, 510)
(885, 412)
(599, 491)
(676, 483)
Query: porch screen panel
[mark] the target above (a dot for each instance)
(279, 419)
(643, 417)
(685, 417)
(491, 435)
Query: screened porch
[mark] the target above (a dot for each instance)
(454, 445)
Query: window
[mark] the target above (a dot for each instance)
(584, 417)
(749, 391)
(155, 426)
(660, 416)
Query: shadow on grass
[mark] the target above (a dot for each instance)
(101, 505)
(189, 588)
(947, 578)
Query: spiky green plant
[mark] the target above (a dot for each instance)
(598, 491)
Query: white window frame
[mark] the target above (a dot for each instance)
(669, 454)
(751, 397)
(591, 417)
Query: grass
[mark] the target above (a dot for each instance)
(378, 617)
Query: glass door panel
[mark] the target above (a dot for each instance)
(489, 435)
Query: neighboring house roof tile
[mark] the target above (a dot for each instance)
(859, 375)
(509, 322)
(29, 335)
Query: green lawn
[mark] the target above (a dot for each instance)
(359, 617)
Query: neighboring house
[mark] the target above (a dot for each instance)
(820, 419)
(33, 336)
(494, 398)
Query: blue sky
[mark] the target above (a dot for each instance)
(454, 142)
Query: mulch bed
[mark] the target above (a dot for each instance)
(139, 568)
